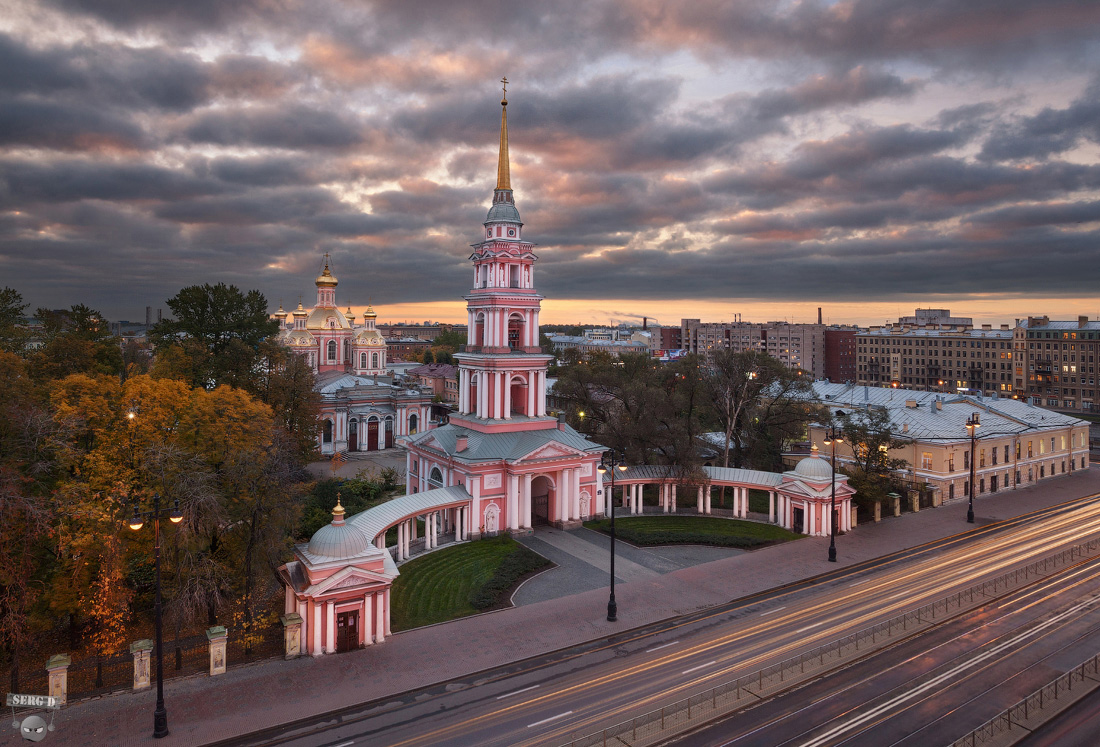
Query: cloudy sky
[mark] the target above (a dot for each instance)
(671, 159)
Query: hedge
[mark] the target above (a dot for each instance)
(519, 563)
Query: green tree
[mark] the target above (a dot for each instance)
(220, 329)
(77, 340)
(449, 338)
(757, 404)
(870, 437)
(12, 308)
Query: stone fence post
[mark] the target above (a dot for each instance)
(57, 667)
(217, 637)
(292, 635)
(141, 651)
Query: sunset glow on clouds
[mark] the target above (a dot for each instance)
(669, 159)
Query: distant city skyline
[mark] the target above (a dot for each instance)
(669, 160)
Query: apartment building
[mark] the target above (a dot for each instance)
(1056, 362)
(933, 351)
(798, 346)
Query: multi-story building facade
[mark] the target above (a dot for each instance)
(1016, 444)
(840, 353)
(1056, 363)
(798, 346)
(933, 351)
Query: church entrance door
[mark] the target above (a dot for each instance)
(353, 436)
(540, 502)
(372, 435)
(389, 433)
(798, 520)
(347, 631)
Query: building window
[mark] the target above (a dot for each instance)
(1006, 453)
(362, 360)
(332, 350)
(374, 360)
(926, 460)
(981, 458)
(326, 432)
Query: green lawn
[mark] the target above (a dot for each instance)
(693, 530)
(437, 587)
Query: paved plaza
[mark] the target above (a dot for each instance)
(203, 710)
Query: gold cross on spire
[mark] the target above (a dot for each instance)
(505, 82)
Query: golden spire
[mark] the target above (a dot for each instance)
(338, 512)
(504, 179)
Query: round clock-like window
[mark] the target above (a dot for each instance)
(489, 233)
(511, 232)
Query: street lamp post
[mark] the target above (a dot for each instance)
(972, 425)
(612, 461)
(832, 436)
(160, 715)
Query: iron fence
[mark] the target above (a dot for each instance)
(1034, 708)
(728, 697)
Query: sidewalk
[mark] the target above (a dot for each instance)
(203, 709)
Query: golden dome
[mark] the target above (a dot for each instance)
(300, 311)
(369, 313)
(326, 278)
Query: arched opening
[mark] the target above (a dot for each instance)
(362, 360)
(515, 331)
(326, 432)
(347, 352)
(413, 420)
(389, 432)
(353, 435)
(435, 478)
(374, 360)
(332, 350)
(518, 387)
(513, 276)
(372, 434)
(479, 329)
(541, 490)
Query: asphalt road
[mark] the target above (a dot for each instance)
(545, 701)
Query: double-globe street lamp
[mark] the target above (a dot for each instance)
(137, 521)
(972, 425)
(832, 438)
(610, 462)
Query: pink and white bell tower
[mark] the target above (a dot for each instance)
(502, 373)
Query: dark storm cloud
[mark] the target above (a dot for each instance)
(26, 121)
(1048, 132)
(854, 86)
(27, 181)
(1070, 214)
(191, 15)
(294, 127)
(258, 206)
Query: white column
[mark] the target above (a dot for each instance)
(576, 502)
(462, 391)
(507, 395)
(541, 393)
(316, 629)
(400, 541)
(674, 486)
(330, 628)
(379, 618)
(474, 488)
(531, 394)
(564, 484)
(513, 502)
(368, 622)
(771, 506)
(527, 480)
(699, 500)
(408, 473)
(386, 616)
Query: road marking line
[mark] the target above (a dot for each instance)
(663, 645)
(902, 594)
(548, 720)
(516, 692)
(771, 611)
(345, 744)
(701, 666)
(860, 583)
(811, 627)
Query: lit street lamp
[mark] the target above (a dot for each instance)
(832, 437)
(137, 521)
(972, 425)
(612, 461)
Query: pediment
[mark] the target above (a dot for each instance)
(552, 451)
(348, 578)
